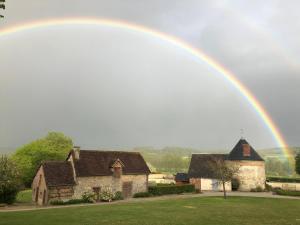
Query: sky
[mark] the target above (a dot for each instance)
(114, 88)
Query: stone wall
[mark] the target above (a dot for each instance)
(86, 184)
(205, 184)
(285, 186)
(60, 193)
(251, 174)
(39, 188)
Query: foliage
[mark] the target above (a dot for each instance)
(283, 179)
(257, 189)
(286, 192)
(88, 197)
(118, 196)
(106, 195)
(142, 195)
(171, 189)
(223, 171)
(297, 166)
(69, 202)
(24, 196)
(9, 180)
(200, 211)
(278, 167)
(235, 184)
(54, 146)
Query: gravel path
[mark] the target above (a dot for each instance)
(133, 200)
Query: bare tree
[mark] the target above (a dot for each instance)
(224, 171)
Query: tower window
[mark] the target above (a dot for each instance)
(246, 150)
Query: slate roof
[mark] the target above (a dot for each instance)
(98, 163)
(199, 166)
(237, 152)
(58, 173)
(181, 177)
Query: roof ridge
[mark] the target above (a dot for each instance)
(95, 150)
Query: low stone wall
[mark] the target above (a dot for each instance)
(285, 186)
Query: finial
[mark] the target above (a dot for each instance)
(242, 133)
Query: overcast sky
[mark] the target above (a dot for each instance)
(114, 88)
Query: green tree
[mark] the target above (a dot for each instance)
(54, 146)
(2, 6)
(9, 180)
(298, 163)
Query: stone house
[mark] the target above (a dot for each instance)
(90, 171)
(251, 172)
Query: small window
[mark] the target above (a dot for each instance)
(246, 150)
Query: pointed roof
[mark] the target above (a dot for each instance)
(244, 151)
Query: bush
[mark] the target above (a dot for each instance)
(235, 184)
(171, 189)
(257, 189)
(142, 195)
(286, 192)
(87, 197)
(9, 180)
(283, 179)
(118, 196)
(268, 187)
(57, 202)
(106, 195)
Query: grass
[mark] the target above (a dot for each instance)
(24, 196)
(204, 210)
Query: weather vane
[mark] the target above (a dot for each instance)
(242, 133)
(2, 6)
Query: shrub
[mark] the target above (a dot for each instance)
(106, 195)
(87, 197)
(118, 196)
(286, 192)
(142, 195)
(171, 189)
(9, 180)
(257, 189)
(268, 187)
(57, 202)
(283, 179)
(235, 184)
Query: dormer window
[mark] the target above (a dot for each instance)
(117, 172)
(246, 150)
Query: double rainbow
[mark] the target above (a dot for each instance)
(198, 53)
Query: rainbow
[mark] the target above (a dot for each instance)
(227, 74)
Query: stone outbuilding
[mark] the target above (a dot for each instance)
(89, 171)
(251, 166)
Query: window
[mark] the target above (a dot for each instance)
(246, 150)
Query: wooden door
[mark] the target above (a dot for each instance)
(44, 197)
(37, 194)
(127, 189)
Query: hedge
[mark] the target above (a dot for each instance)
(69, 202)
(174, 189)
(286, 192)
(283, 179)
(142, 195)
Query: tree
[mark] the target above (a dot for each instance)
(54, 146)
(223, 170)
(2, 6)
(9, 180)
(297, 163)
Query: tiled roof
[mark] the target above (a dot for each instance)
(98, 163)
(237, 152)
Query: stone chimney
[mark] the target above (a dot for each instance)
(76, 150)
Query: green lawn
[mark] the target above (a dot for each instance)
(24, 196)
(204, 210)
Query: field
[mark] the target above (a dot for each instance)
(205, 210)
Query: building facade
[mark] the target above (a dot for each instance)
(86, 171)
(251, 169)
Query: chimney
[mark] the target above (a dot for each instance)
(76, 150)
